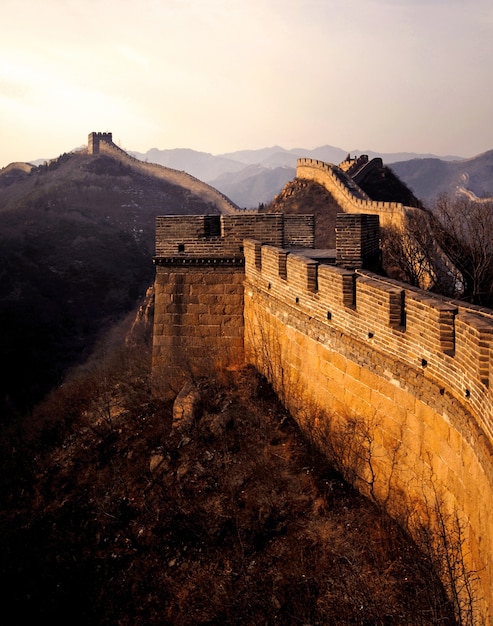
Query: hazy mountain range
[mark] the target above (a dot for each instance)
(251, 177)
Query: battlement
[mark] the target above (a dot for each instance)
(95, 139)
(184, 239)
(444, 340)
(350, 197)
(400, 379)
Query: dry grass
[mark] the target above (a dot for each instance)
(239, 522)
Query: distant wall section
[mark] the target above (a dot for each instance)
(350, 197)
(95, 139)
(102, 143)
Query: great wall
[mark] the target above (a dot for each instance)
(347, 193)
(102, 143)
(395, 380)
(392, 381)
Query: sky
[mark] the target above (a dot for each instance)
(224, 75)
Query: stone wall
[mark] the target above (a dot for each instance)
(389, 379)
(198, 310)
(95, 139)
(222, 236)
(357, 240)
(198, 322)
(350, 197)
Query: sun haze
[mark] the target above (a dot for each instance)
(225, 75)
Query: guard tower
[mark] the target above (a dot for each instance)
(95, 139)
(198, 310)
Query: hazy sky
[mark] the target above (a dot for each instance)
(225, 75)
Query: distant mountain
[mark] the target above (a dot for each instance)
(202, 165)
(430, 177)
(254, 184)
(251, 177)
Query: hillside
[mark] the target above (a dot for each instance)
(76, 246)
(116, 513)
(301, 197)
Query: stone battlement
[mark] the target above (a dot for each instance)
(221, 236)
(350, 197)
(198, 319)
(446, 341)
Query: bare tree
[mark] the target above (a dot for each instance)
(463, 228)
(409, 253)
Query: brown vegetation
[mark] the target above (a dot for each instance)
(304, 196)
(112, 516)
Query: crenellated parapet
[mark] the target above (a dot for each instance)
(350, 197)
(394, 382)
(445, 340)
(186, 238)
(407, 374)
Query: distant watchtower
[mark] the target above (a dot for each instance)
(95, 139)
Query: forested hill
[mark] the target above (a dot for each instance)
(76, 247)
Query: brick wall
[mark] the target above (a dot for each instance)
(198, 323)
(357, 240)
(218, 236)
(198, 311)
(411, 370)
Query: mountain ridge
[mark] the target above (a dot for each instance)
(232, 173)
(76, 244)
(254, 177)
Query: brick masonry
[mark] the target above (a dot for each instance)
(198, 312)
(395, 379)
(410, 373)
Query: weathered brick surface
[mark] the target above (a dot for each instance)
(413, 370)
(222, 236)
(198, 323)
(398, 378)
(357, 240)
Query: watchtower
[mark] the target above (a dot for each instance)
(198, 311)
(95, 139)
